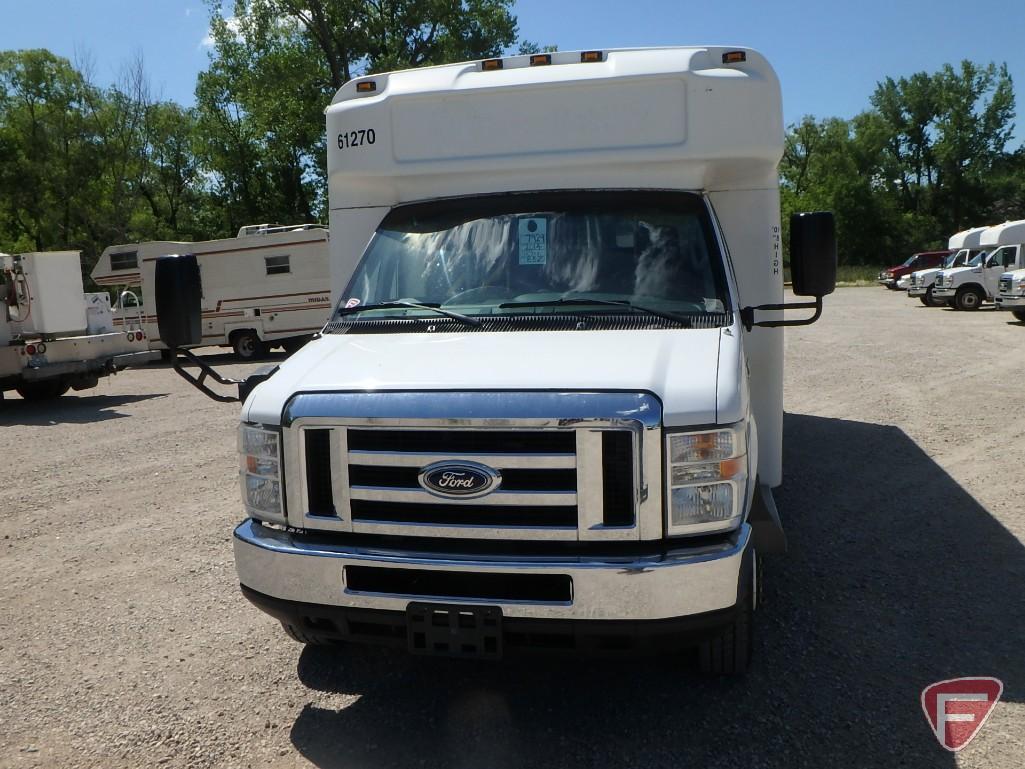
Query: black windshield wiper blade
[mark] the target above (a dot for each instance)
(685, 321)
(466, 320)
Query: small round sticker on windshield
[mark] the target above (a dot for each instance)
(351, 303)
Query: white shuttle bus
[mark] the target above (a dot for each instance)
(1011, 288)
(966, 288)
(547, 412)
(267, 287)
(964, 246)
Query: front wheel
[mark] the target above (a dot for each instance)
(1019, 314)
(247, 345)
(729, 653)
(43, 391)
(929, 300)
(968, 298)
(304, 637)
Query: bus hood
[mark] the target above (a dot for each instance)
(695, 372)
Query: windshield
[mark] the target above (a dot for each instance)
(955, 259)
(510, 255)
(977, 259)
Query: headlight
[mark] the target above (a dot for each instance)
(706, 480)
(260, 470)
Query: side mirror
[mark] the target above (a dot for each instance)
(813, 253)
(179, 300)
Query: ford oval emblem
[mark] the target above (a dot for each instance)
(460, 480)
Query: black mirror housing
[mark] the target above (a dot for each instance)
(813, 253)
(179, 297)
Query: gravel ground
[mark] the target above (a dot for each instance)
(124, 641)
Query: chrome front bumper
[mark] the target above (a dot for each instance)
(681, 582)
(947, 292)
(1010, 302)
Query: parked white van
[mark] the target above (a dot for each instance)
(966, 288)
(965, 245)
(267, 287)
(547, 412)
(1011, 291)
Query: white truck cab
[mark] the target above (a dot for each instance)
(965, 246)
(966, 288)
(547, 410)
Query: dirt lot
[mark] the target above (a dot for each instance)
(124, 641)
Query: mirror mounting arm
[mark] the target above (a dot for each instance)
(747, 314)
(200, 382)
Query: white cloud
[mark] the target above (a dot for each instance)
(234, 26)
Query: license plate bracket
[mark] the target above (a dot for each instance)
(454, 630)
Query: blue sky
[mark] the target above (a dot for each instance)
(829, 55)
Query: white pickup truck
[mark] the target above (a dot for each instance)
(547, 412)
(966, 288)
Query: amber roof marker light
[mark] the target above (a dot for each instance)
(540, 59)
(366, 86)
(490, 65)
(589, 57)
(734, 57)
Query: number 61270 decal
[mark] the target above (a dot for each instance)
(351, 139)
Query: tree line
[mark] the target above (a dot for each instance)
(86, 166)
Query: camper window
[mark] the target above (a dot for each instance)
(128, 260)
(277, 265)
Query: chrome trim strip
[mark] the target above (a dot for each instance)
(479, 409)
(500, 461)
(466, 531)
(495, 498)
(284, 543)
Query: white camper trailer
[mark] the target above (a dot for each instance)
(54, 337)
(548, 409)
(267, 287)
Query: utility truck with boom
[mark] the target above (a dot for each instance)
(53, 336)
(547, 411)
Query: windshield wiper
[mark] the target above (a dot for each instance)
(683, 320)
(466, 320)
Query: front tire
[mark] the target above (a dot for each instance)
(968, 298)
(929, 300)
(247, 345)
(304, 637)
(43, 391)
(729, 653)
(1019, 314)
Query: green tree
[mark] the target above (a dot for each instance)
(276, 64)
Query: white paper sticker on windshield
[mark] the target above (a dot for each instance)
(533, 241)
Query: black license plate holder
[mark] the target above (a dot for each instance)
(454, 630)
